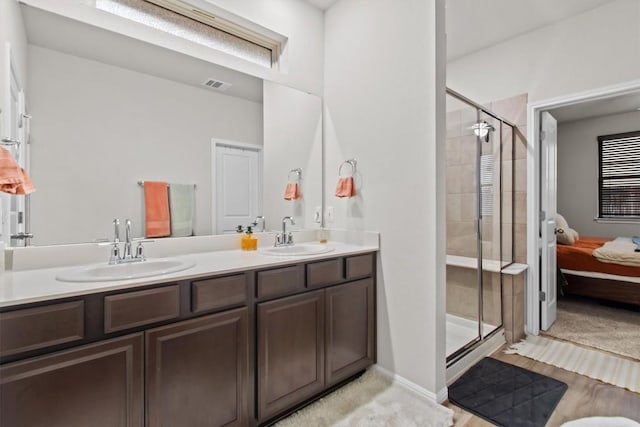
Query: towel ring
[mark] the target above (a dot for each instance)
(298, 172)
(350, 162)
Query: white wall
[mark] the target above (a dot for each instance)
(384, 95)
(600, 47)
(292, 139)
(578, 172)
(98, 129)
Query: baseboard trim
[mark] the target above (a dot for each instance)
(438, 397)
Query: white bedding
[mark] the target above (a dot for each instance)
(621, 251)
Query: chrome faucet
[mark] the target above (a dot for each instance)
(284, 238)
(115, 257)
(127, 241)
(261, 219)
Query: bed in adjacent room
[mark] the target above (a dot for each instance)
(615, 279)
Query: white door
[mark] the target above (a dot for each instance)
(238, 186)
(15, 136)
(548, 194)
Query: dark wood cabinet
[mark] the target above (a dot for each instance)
(290, 352)
(350, 326)
(94, 385)
(197, 372)
(237, 349)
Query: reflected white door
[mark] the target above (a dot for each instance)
(548, 196)
(238, 186)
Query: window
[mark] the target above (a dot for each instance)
(619, 176)
(179, 18)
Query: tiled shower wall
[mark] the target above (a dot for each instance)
(506, 307)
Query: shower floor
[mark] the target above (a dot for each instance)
(461, 331)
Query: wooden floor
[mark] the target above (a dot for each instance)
(585, 397)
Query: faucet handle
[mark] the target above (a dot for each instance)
(290, 238)
(140, 248)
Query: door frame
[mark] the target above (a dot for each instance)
(215, 142)
(534, 244)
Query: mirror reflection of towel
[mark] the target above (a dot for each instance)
(181, 205)
(156, 209)
(292, 192)
(345, 187)
(13, 178)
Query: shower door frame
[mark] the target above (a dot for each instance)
(481, 338)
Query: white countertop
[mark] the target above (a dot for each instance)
(28, 286)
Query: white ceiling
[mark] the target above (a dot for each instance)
(473, 25)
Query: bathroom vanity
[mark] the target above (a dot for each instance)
(211, 346)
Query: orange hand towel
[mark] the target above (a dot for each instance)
(345, 187)
(13, 178)
(292, 192)
(156, 209)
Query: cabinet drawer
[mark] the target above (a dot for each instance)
(217, 293)
(359, 266)
(132, 309)
(34, 328)
(324, 272)
(280, 281)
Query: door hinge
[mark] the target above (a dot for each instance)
(20, 217)
(543, 135)
(543, 216)
(543, 296)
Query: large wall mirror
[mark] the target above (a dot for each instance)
(109, 111)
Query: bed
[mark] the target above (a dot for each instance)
(589, 277)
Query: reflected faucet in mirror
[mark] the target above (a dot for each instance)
(284, 238)
(115, 257)
(260, 219)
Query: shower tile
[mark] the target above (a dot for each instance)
(462, 246)
(521, 143)
(467, 179)
(454, 207)
(468, 150)
(520, 202)
(507, 242)
(468, 206)
(507, 207)
(507, 145)
(520, 241)
(453, 123)
(454, 179)
(507, 176)
(513, 109)
(453, 151)
(520, 175)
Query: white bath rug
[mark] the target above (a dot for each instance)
(372, 400)
(596, 364)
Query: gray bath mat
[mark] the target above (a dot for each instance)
(507, 395)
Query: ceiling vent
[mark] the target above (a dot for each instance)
(217, 84)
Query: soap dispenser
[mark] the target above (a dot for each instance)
(249, 243)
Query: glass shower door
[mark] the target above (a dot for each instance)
(462, 238)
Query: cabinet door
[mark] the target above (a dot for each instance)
(197, 372)
(94, 385)
(350, 329)
(290, 352)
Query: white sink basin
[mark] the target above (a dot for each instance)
(133, 270)
(298, 250)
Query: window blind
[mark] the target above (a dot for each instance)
(619, 175)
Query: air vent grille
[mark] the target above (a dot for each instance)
(217, 84)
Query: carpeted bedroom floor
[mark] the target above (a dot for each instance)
(599, 325)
